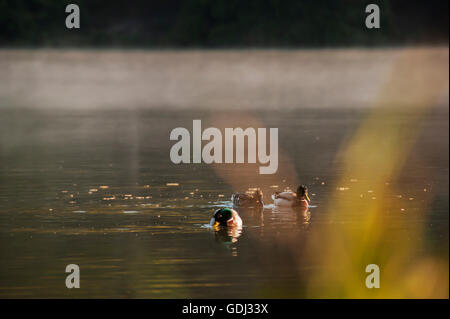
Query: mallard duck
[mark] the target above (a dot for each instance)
(226, 217)
(247, 199)
(291, 199)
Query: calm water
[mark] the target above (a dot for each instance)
(91, 188)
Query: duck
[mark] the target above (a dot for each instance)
(226, 217)
(291, 199)
(248, 199)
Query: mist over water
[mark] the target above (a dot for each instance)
(209, 79)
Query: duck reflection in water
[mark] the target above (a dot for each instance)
(303, 216)
(254, 216)
(228, 236)
(298, 215)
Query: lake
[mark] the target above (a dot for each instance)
(97, 188)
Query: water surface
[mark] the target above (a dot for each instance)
(98, 189)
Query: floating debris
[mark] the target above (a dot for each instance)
(146, 186)
(64, 191)
(50, 209)
(343, 188)
(93, 190)
(323, 183)
(109, 198)
(399, 196)
(370, 191)
(104, 187)
(274, 186)
(411, 198)
(221, 195)
(353, 180)
(130, 212)
(186, 197)
(172, 184)
(79, 211)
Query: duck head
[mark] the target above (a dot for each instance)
(302, 191)
(259, 195)
(222, 217)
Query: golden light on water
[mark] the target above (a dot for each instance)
(375, 155)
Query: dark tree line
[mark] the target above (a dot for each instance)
(222, 23)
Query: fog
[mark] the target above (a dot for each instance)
(207, 79)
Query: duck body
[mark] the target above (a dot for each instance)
(248, 199)
(226, 217)
(289, 199)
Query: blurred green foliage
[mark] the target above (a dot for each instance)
(222, 23)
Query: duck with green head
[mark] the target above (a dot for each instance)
(226, 217)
